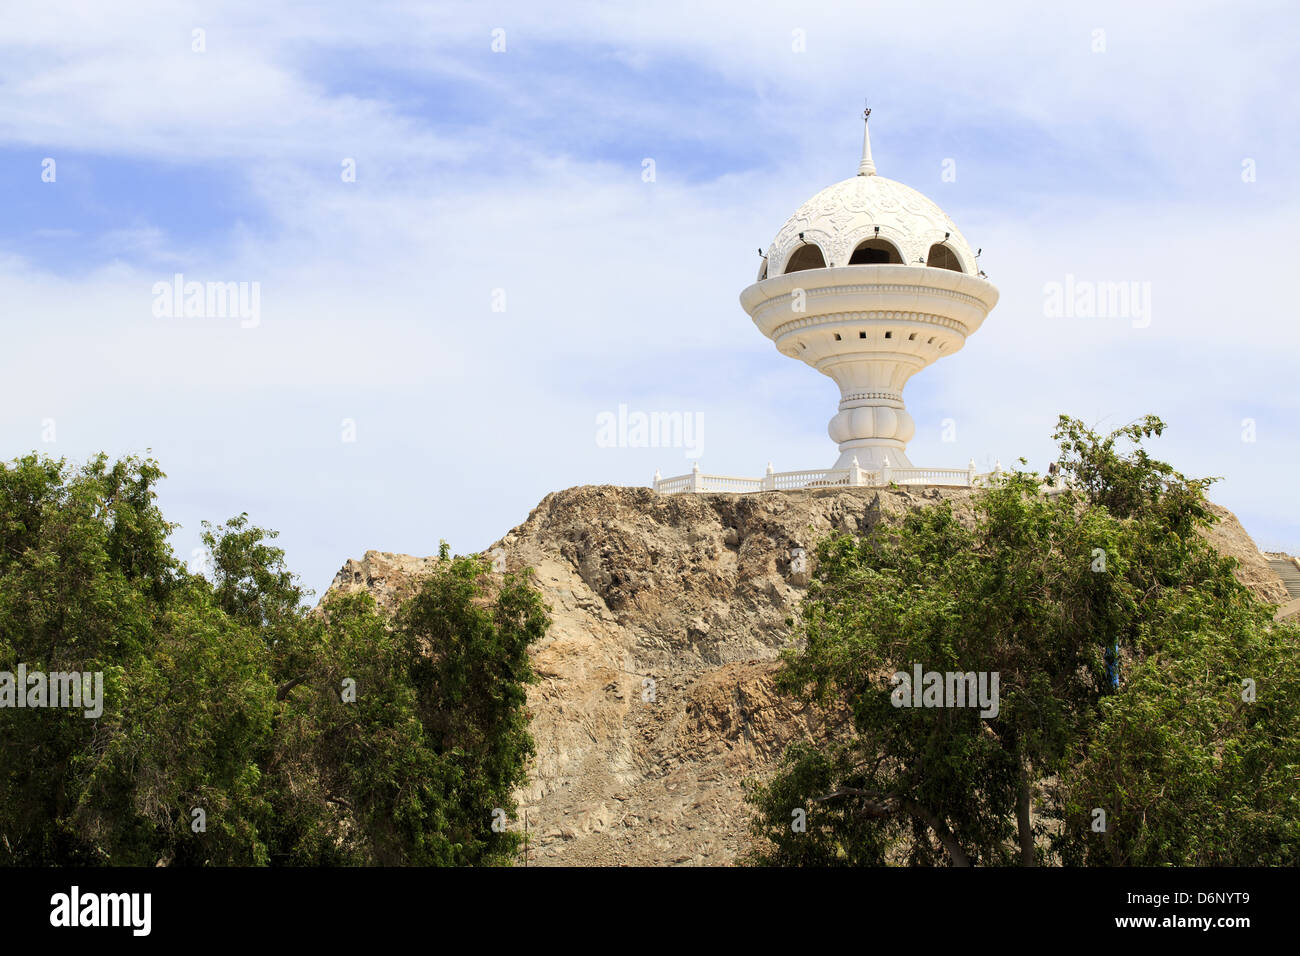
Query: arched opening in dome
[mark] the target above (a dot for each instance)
(807, 256)
(876, 252)
(941, 257)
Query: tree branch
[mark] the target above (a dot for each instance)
(955, 853)
(283, 691)
(875, 807)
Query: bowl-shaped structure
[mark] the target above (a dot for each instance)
(870, 328)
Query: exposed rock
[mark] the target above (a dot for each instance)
(1231, 539)
(669, 611)
(389, 578)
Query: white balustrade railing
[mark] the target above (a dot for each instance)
(669, 486)
(782, 481)
(727, 483)
(852, 477)
(931, 476)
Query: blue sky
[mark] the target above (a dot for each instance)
(1111, 156)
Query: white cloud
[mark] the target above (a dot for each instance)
(377, 296)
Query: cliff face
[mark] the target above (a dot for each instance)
(656, 696)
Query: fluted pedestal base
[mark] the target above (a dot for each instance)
(871, 456)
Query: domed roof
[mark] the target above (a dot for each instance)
(841, 216)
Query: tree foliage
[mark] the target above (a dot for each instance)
(1122, 641)
(341, 736)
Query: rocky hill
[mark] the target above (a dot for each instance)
(656, 699)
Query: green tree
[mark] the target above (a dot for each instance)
(468, 639)
(1054, 593)
(436, 739)
(331, 737)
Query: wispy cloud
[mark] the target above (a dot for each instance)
(500, 272)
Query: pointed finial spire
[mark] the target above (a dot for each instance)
(867, 167)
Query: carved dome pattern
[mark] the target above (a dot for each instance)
(841, 216)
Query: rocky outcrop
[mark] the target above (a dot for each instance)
(1230, 538)
(656, 698)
